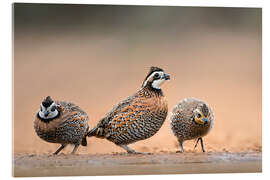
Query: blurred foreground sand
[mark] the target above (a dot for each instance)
(26, 165)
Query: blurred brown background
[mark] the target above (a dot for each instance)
(96, 56)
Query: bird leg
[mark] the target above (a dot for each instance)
(129, 150)
(202, 145)
(181, 146)
(196, 143)
(75, 148)
(201, 140)
(59, 149)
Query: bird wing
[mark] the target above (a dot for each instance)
(116, 110)
(98, 130)
(72, 114)
(140, 119)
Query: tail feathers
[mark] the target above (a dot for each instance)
(92, 132)
(84, 141)
(96, 131)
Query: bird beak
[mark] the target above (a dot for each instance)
(205, 121)
(46, 113)
(166, 76)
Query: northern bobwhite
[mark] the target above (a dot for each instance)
(191, 119)
(61, 122)
(138, 117)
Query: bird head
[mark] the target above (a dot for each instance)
(201, 114)
(48, 109)
(155, 78)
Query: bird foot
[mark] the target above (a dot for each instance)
(179, 151)
(135, 152)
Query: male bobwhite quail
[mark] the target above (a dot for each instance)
(61, 122)
(191, 119)
(139, 116)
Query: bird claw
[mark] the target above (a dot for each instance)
(178, 151)
(135, 152)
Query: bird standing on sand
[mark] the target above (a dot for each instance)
(61, 122)
(138, 117)
(191, 119)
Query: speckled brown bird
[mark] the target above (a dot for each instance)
(61, 122)
(191, 119)
(138, 117)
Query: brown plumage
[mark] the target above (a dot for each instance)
(61, 122)
(191, 119)
(138, 117)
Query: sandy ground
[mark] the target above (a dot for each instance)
(123, 164)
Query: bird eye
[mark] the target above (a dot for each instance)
(199, 115)
(53, 109)
(156, 75)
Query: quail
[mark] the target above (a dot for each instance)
(61, 122)
(139, 116)
(191, 119)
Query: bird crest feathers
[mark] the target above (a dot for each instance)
(205, 110)
(47, 101)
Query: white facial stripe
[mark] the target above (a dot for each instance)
(196, 111)
(159, 72)
(42, 107)
(50, 107)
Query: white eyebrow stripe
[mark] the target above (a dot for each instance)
(47, 107)
(145, 82)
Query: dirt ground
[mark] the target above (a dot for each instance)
(123, 164)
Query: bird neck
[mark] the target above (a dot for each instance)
(148, 90)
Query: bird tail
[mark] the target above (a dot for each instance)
(84, 141)
(92, 132)
(96, 131)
